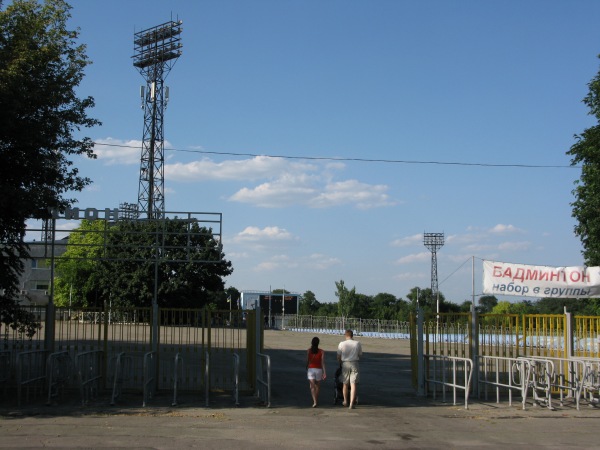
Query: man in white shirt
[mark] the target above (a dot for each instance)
(348, 354)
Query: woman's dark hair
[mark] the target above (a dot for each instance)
(314, 345)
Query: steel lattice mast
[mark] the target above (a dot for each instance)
(156, 50)
(434, 241)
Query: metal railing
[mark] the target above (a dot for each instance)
(447, 372)
(207, 378)
(497, 372)
(236, 379)
(89, 372)
(538, 375)
(177, 371)
(149, 376)
(575, 377)
(392, 329)
(31, 371)
(60, 371)
(122, 369)
(5, 367)
(263, 379)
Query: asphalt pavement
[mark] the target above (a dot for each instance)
(389, 415)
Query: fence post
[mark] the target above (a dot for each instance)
(257, 349)
(569, 339)
(474, 339)
(420, 354)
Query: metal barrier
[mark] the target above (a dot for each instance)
(149, 376)
(60, 370)
(497, 371)
(590, 381)
(443, 368)
(89, 373)
(31, 370)
(207, 377)
(263, 370)
(236, 379)
(538, 375)
(575, 377)
(5, 364)
(122, 369)
(570, 378)
(388, 329)
(177, 368)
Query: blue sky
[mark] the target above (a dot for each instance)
(479, 83)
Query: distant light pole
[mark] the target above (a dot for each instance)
(434, 241)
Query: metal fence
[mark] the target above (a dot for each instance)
(109, 349)
(337, 325)
(539, 356)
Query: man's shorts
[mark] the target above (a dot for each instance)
(350, 372)
(315, 374)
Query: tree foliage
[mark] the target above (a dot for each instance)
(487, 303)
(119, 264)
(41, 65)
(77, 279)
(586, 152)
(184, 257)
(308, 304)
(347, 299)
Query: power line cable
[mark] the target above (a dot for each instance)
(366, 160)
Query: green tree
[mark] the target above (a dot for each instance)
(233, 295)
(465, 306)
(505, 307)
(487, 303)
(383, 307)
(346, 299)
(189, 271)
(77, 271)
(327, 309)
(428, 301)
(586, 152)
(41, 65)
(309, 304)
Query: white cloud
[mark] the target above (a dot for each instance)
(288, 189)
(321, 262)
(415, 239)
(117, 151)
(308, 190)
(255, 234)
(362, 195)
(284, 182)
(315, 261)
(410, 276)
(514, 246)
(501, 229)
(277, 262)
(415, 257)
(259, 167)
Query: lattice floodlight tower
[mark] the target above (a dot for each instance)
(434, 241)
(156, 50)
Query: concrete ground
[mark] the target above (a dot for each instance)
(389, 414)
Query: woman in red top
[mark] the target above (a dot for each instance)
(315, 364)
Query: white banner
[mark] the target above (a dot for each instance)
(540, 281)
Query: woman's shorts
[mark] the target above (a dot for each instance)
(315, 374)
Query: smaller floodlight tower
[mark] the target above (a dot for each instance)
(156, 50)
(434, 241)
